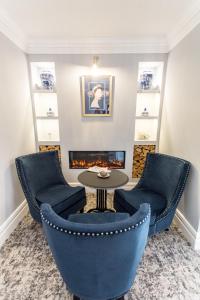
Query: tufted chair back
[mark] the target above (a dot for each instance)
(39, 170)
(36, 172)
(165, 175)
(97, 261)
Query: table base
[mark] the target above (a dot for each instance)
(101, 198)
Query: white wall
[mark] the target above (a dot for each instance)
(180, 129)
(97, 133)
(16, 125)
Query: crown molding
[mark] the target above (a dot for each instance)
(11, 31)
(98, 46)
(188, 22)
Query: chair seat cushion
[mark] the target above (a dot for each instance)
(131, 200)
(60, 196)
(98, 218)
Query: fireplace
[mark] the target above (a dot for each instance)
(87, 159)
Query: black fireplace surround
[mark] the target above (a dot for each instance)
(87, 159)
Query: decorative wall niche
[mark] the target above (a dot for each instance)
(148, 113)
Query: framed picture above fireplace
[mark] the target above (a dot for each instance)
(96, 94)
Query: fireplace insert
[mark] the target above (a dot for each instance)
(87, 159)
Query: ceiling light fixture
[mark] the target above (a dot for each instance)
(95, 64)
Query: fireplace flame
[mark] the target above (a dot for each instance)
(83, 164)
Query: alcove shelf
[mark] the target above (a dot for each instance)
(45, 105)
(146, 117)
(148, 91)
(48, 143)
(144, 142)
(148, 113)
(47, 118)
(42, 91)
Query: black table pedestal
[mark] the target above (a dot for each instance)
(101, 198)
(90, 179)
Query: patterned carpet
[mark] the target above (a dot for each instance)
(170, 269)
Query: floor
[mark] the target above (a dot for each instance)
(170, 269)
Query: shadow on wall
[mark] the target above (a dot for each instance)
(13, 193)
(190, 204)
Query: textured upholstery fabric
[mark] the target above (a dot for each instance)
(161, 185)
(98, 218)
(57, 195)
(95, 266)
(42, 180)
(135, 197)
(121, 209)
(41, 170)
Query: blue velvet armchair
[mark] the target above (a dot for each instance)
(97, 253)
(161, 185)
(42, 181)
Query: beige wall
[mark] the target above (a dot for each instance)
(16, 125)
(180, 130)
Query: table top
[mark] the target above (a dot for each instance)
(116, 179)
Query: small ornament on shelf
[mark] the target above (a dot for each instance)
(145, 112)
(50, 136)
(143, 136)
(50, 112)
(47, 80)
(145, 81)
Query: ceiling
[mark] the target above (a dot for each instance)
(77, 22)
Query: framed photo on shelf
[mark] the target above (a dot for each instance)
(96, 94)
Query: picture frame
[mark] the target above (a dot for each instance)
(96, 94)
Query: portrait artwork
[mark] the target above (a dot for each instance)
(96, 93)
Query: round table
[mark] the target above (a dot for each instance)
(90, 179)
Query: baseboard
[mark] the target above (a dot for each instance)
(192, 236)
(11, 223)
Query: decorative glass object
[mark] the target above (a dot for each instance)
(145, 112)
(45, 103)
(150, 101)
(49, 136)
(50, 112)
(143, 136)
(48, 130)
(146, 129)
